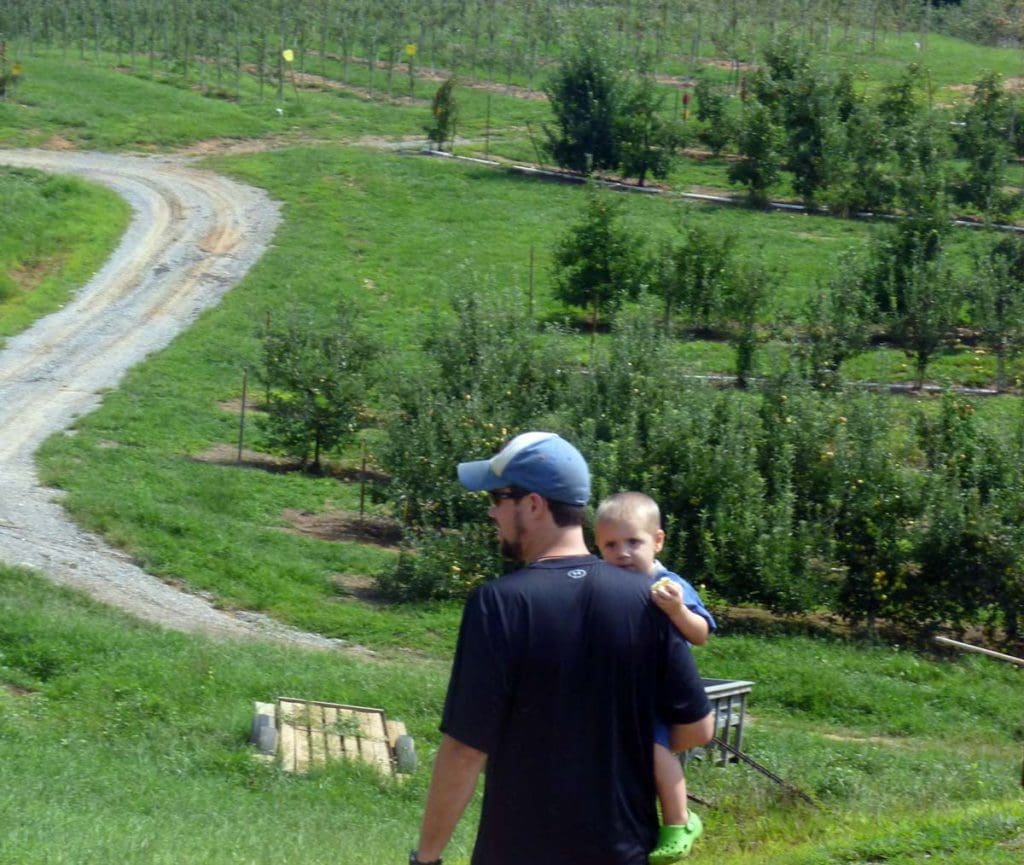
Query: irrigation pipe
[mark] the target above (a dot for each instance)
(967, 647)
(725, 200)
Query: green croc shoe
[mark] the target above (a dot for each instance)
(675, 842)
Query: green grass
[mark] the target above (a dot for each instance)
(97, 106)
(125, 743)
(947, 62)
(55, 232)
(122, 742)
(393, 233)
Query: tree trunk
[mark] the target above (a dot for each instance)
(922, 366)
(323, 45)
(238, 61)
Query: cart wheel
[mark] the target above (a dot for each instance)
(405, 753)
(264, 734)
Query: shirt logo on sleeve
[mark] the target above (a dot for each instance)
(576, 573)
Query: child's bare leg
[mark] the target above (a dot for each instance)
(680, 827)
(671, 786)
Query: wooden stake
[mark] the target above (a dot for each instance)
(362, 484)
(532, 260)
(536, 149)
(241, 421)
(487, 129)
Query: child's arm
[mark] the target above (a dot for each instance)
(669, 598)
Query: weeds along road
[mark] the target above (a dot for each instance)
(192, 236)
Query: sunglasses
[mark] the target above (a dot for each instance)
(498, 496)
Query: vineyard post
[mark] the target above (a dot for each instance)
(533, 141)
(238, 62)
(282, 52)
(362, 483)
(267, 333)
(487, 128)
(530, 295)
(241, 421)
(410, 56)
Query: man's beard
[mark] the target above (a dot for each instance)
(512, 548)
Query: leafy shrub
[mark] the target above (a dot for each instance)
(983, 143)
(647, 141)
(437, 564)
(996, 299)
(759, 142)
(599, 262)
(444, 114)
(970, 542)
(488, 376)
(695, 276)
(586, 95)
(836, 323)
(748, 294)
(716, 129)
(791, 496)
(315, 381)
(875, 501)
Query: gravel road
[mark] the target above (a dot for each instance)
(193, 235)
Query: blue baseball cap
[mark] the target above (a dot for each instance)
(538, 462)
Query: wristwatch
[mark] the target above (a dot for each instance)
(414, 859)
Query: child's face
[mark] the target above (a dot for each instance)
(629, 544)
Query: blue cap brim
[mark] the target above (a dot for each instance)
(477, 476)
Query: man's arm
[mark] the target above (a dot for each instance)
(682, 737)
(456, 769)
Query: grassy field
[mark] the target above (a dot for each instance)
(55, 232)
(122, 742)
(366, 224)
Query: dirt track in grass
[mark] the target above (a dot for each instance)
(193, 235)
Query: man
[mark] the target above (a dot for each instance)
(559, 671)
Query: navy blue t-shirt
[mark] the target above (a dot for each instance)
(559, 673)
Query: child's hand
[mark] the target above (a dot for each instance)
(668, 595)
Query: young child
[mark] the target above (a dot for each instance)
(629, 534)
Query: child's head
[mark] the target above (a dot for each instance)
(628, 531)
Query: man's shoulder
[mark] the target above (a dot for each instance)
(541, 576)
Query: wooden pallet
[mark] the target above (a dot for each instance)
(311, 733)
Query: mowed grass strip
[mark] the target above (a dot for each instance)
(55, 232)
